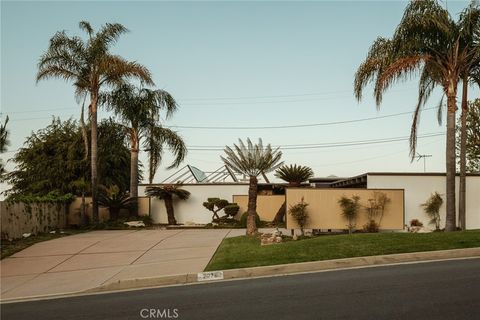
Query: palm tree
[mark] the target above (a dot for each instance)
(115, 200)
(4, 142)
(139, 111)
(167, 193)
(90, 66)
(429, 41)
(469, 24)
(252, 160)
(294, 175)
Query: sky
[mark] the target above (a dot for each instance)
(236, 64)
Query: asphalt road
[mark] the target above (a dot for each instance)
(434, 290)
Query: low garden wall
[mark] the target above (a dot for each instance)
(267, 205)
(324, 211)
(18, 218)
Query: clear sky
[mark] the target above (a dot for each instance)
(234, 64)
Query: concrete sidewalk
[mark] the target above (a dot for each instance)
(89, 260)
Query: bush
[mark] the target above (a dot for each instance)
(350, 208)
(243, 220)
(299, 213)
(416, 223)
(231, 209)
(371, 226)
(432, 208)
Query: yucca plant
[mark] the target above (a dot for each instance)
(115, 200)
(432, 209)
(167, 193)
(90, 66)
(252, 160)
(427, 41)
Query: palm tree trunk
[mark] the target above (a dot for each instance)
(83, 215)
(280, 214)
(134, 165)
(169, 206)
(463, 157)
(94, 151)
(252, 206)
(450, 221)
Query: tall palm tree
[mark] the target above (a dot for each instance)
(139, 111)
(4, 142)
(252, 160)
(294, 175)
(426, 40)
(167, 193)
(90, 66)
(469, 25)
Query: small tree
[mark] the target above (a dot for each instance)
(166, 193)
(350, 208)
(215, 205)
(376, 210)
(432, 208)
(300, 214)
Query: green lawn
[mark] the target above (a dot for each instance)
(241, 252)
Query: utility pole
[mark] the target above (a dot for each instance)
(424, 156)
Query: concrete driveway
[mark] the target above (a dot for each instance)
(88, 260)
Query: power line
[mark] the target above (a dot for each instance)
(318, 145)
(294, 126)
(270, 127)
(327, 145)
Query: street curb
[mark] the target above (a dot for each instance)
(265, 271)
(292, 268)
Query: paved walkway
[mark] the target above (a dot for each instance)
(87, 260)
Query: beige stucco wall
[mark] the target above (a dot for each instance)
(419, 187)
(325, 212)
(104, 215)
(267, 205)
(192, 210)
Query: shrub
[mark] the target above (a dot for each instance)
(376, 206)
(416, 223)
(350, 208)
(243, 219)
(371, 226)
(216, 204)
(231, 209)
(432, 208)
(300, 214)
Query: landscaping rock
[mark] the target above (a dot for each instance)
(419, 230)
(271, 238)
(135, 224)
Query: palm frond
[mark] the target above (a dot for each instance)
(252, 159)
(294, 174)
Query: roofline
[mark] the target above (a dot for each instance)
(416, 174)
(213, 184)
